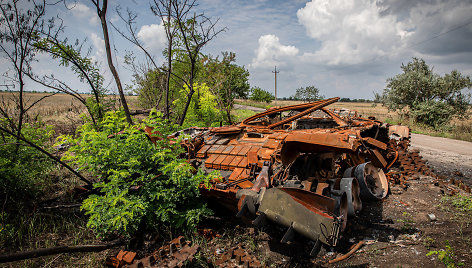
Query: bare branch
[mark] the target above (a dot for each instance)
(46, 153)
(40, 99)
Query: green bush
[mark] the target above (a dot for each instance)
(142, 186)
(203, 109)
(23, 169)
(258, 94)
(432, 99)
(433, 113)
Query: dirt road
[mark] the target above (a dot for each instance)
(445, 156)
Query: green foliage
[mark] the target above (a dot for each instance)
(226, 80)
(309, 93)
(150, 88)
(446, 256)
(229, 79)
(258, 94)
(203, 109)
(433, 113)
(431, 99)
(142, 185)
(460, 202)
(23, 175)
(407, 221)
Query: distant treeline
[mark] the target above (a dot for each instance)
(341, 100)
(45, 91)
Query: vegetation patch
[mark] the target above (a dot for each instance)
(141, 186)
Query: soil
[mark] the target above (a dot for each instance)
(397, 233)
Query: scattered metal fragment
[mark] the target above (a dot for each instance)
(347, 255)
(121, 259)
(173, 254)
(237, 256)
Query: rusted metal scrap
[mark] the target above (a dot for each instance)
(172, 254)
(302, 166)
(235, 257)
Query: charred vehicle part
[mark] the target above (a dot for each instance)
(301, 166)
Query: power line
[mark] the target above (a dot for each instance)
(275, 72)
(441, 34)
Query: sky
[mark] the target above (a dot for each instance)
(346, 48)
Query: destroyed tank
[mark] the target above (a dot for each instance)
(303, 167)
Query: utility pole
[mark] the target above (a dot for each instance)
(275, 72)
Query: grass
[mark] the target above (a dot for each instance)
(43, 229)
(242, 114)
(252, 103)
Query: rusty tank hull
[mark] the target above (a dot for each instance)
(303, 166)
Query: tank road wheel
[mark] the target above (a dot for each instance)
(372, 181)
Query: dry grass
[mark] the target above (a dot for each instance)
(61, 110)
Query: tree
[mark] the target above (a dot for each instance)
(226, 80)
(150, 87)
(164, 10)
(18, 32)
(194, 31)
(186, 35)
(84, 67)
(258, 94)
(23, 160)
(101, 12)
(309, 93)
(430, 98)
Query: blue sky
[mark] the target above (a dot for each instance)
(346, 48)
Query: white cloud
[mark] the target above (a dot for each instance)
(154, 37)
(82, 11)
(351, 31)
(270, 52)
(99, 44)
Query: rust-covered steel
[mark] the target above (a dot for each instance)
(303, 166)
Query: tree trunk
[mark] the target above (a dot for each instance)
(190, 94)
(102, 15)
(55, 250)
(169, 71)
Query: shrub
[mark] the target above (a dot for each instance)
(23, 169)
(258, 94)
(203, 109)
(142, 186)
(431, 98)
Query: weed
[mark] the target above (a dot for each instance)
(242, 114)
(407, 221)
(446, 256)
(462, 203)
(429, 242)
